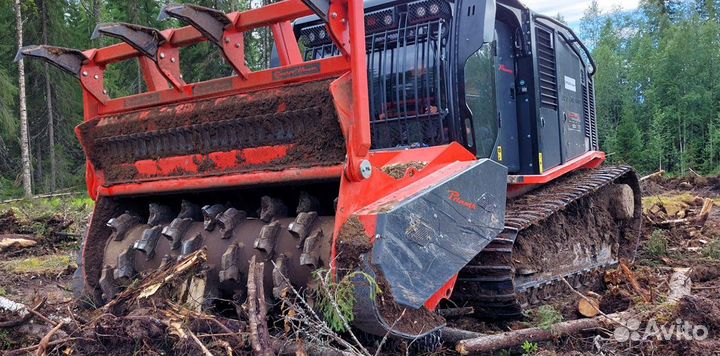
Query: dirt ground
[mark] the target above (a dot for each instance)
(44, 272)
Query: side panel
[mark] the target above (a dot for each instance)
(507, 151)
(550, 154)
(572, 123)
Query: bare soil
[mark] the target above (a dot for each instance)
(686, 247)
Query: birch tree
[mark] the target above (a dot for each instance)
(24, 141)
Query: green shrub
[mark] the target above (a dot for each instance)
(657, 244)
(336, 299)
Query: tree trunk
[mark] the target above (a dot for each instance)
(48, 92)
(96, 8)
(24, 141)
(38, 183)
(135, 17)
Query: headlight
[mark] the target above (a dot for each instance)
(388, 20)
(420, 11)
(434, 9)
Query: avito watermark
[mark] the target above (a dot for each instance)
(677, 330)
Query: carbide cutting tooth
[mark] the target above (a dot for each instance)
(310, 255)
(190, 245)
(271, 209)
(279, 275)
(121, 224)
(148, 241)
(306, 203)
(190, 210)
(229, 270)
(229, 220)
(124, 271)
(210, 215)
(302, 224)
(107, 283)
(266, 240)
(159, 214)
(175, 231)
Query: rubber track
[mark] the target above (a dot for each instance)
(488, 282)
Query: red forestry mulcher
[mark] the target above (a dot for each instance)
(447, 148)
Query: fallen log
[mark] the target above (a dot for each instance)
(680, 286)
(456, 312)
(510, 339)
(453, 335)
(659, 173)
(14, 241)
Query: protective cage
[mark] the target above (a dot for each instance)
(405, 54)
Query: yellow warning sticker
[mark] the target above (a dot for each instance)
(541, 163)
(499, 150)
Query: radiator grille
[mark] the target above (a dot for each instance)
(590, 115)
(545, 47)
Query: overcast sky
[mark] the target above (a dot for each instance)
(573, 10)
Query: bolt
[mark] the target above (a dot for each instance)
(227, 40)
(104, 91)
(85, 73)
(237, 45)
(162, 55)
(172, 59)
(181, 76)
(365, 169)
(333, 15)
(96, 76)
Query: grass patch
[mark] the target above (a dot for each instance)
(32, 213)
(3, 292)
(712, 250)
(657, 245)
(38, 265)
(544, 317)
(530, 348)
(5, 340)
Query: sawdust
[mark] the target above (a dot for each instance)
(399, 170)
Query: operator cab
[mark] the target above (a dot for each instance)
(475, 72)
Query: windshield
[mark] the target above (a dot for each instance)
(480, 98)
